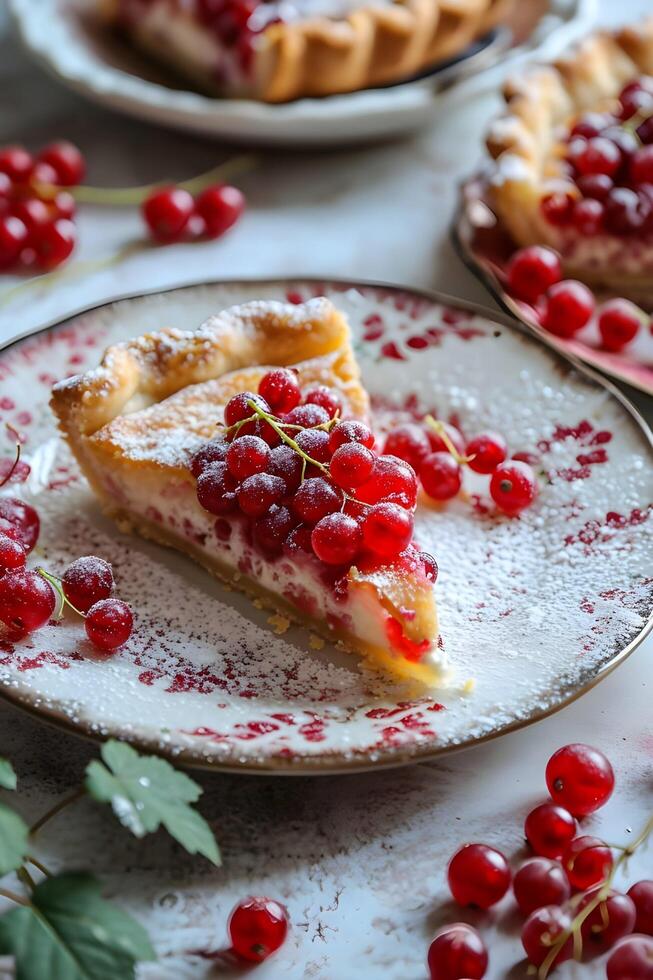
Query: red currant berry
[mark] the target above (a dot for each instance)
(351, 465)
(631, 960)
(54, 242)
(86, 581)
(237, 409)
(336, 539)
(299, 541)
(594, 156)
(438, 444)
(587, 861)
(595, 186)
(488, 451)
(635, 97)
(591, 124)
(287, 464)
(645, 131)
(315, 499)
(409, 442)
(429, 565)
(579, 778)
(619, 322)
(568, 306)
(549, 829)
(67, 162)
(457, 951)
(478, 875)
(259, 492)
(246, 456)
(558, 208)
(531, 271)
(34, 214)
(387, 529)
(626, 212)
(610, 921)
(642, 895)
(167, 213)
(542, 930)
(326, 398)
(214, 451)
(315, 443)
(392, 481)
(307, 416)
(351, 431)
(641, 166)
(219, 207)
(13, 239)
(540, 882)
(257, 927)
(216, 489)
(41, 175)
(12, 555)
(513, 486)
(588, 217)
(441, 476)
(16, 163)
(109, 624)
(271, 530)
(27, 601)
(280, 389)
(266, 432)
(63, 205)
(23, 518)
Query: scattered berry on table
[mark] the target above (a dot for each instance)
(587, 861)
(478, 875)
(549, 828)
(86, 581)
(109, 624)
(27, 601)
(257, 928)
(540, 881)
(457, 951)
(580, 778)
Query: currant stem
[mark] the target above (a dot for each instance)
(38, 864)
(284, 435)
(56, 809)
(601, 895)
(11, 472)
(23, 875)
(56, 584)
(13, 897)
(439, 428)
(124, 196)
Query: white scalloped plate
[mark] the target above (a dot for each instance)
(535, 609)
(56, 34)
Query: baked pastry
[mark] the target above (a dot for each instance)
(175, 451)
(573, 159)
(279, 50)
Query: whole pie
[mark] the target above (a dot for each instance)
(264, 475)
(573, 160)
(279, 50)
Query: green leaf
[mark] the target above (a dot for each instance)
(69, 932)
(147, 792)
(7, 774)
(13, 840)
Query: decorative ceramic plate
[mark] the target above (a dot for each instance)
(58, 33)
(486, 248)
(534, 610)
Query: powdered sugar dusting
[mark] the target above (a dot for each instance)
(532, 608)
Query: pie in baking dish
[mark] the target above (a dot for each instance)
(279, 50)
(194, 439)
(573, 159)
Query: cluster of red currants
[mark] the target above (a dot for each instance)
(308, 480)
(610, 160)
(173, 215)
(565, 306)
(28, 597)
(37, 229)
(580, 780)
(438, 454)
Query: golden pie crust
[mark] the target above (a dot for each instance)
(526, 142)
(372, 45)
(137, 418)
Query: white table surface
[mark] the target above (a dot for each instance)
(359, 860)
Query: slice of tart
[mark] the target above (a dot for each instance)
(264, 475)
(573, 160)
(279, 50)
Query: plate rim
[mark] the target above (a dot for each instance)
(388, 758)
(478, 269)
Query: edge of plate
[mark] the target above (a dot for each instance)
(304, 765)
